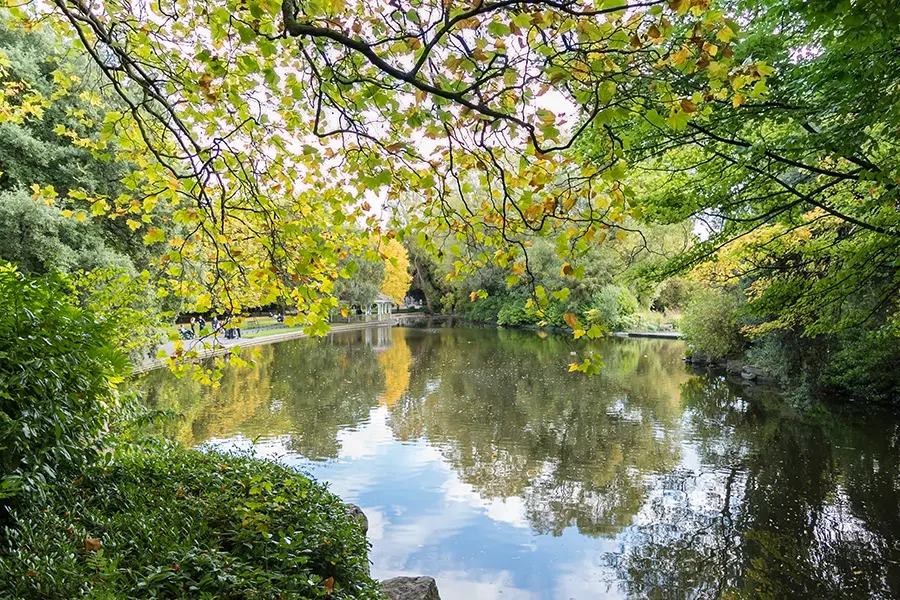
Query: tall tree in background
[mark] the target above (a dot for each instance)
(797, 190)
(48, 148)
(396, 271)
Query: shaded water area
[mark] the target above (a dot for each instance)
(480, 461)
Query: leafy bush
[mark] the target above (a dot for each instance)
(513, 312)
(711, 323)
(554, 314)
(57, 380)
(163, 522)
(863, 366)
(611, 307)
(482, 310)
(674, 294)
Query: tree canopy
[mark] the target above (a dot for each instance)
(256, 122)
(273, 142)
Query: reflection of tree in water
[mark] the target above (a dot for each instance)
(395, 362)
(240, 404)
(325, 387)
(513, 422)
(767, 504)
(773, 515)
(306, 389)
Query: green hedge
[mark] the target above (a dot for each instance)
(163, 522)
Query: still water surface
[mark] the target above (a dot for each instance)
(480, 461)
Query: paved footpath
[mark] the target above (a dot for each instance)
(218, 345)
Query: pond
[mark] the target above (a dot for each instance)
(482, 462)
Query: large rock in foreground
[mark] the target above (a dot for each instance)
(411, 588)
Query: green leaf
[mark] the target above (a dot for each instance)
(154, 235)
(562, 295)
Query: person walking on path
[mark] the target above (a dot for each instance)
(215, 324)
(202, 323)
(193, 326)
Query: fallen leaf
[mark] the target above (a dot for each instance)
(329, 585)
(91, 544)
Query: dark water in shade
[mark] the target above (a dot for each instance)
(480, 461)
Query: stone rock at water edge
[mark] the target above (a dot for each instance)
(357, 513)
(411, 588)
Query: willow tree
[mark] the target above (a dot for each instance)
(270, 129)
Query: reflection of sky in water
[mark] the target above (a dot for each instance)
(424, 520)
(480, 462)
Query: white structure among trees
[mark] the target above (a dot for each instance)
(384, 305)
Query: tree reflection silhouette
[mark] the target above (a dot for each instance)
(710, 491)
(304, 390)
(513, 422)
(771, 518)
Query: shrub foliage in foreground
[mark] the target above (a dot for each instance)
(58, 371)
(165, 522)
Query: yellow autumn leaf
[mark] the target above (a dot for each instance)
(725, 34)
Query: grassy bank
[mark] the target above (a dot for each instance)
(164, 522)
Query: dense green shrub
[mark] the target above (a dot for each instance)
(711, 323)
(482, 310)
(554, 313)
(513, 312)
(163, 522)
(674, 294)
(863, 365)
(57, 380)
(611, 308)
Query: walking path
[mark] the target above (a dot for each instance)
(219, 345)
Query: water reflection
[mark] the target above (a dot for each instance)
(480, 460)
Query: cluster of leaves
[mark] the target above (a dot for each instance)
(48, 170)
(58, 375)
(383, 268)
(163, 522)
(264, 127)
(396, 271)
(603, 289)
(713, 321)
(611, 308)
(797, 191)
